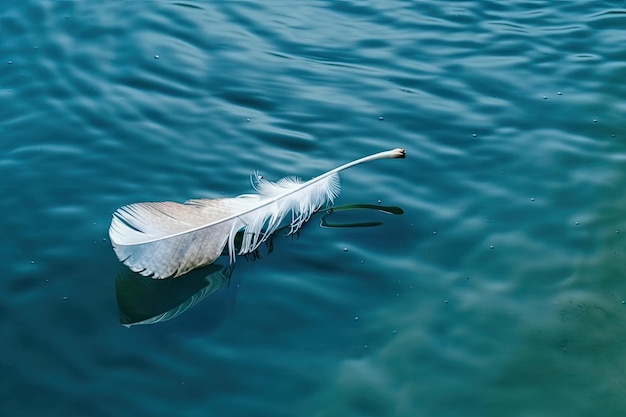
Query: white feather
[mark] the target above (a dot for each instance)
(168, 239)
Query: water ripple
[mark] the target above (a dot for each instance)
(499, 279)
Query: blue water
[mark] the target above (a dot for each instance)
(499, 291)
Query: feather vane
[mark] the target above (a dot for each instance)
(168, 239)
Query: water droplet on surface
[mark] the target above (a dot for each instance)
(65, 298)
(356, 318)
(10, 62)
(595, 120)
(532, 198)
(545, 97)
(445, 301)
(381, 118)
(490, 246)
(623, 301)
(474, 135)
(435, 232)
(577, 223)
(156, 57)
(32, 262)
(559, 93)
(617, 232)
(345, 249)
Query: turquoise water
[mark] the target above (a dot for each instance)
(499, 291)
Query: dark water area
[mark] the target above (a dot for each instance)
(499, 290)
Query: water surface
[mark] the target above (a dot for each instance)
(499, 291)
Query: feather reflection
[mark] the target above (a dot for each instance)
(143, 300)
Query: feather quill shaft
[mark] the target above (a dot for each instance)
(167, 239)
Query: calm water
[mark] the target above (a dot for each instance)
(499, 291)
